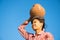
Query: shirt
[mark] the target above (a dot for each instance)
(29, 36)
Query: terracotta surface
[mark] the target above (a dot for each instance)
(37, 10)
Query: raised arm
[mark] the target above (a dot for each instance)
(22, 30)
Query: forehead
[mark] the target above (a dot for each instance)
(35, 20)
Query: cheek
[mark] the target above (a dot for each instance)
(35, 26)
(38, 25)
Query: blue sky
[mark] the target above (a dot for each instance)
(14, 12)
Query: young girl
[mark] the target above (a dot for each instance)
(38, 25)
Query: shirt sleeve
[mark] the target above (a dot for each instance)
(49, 36)
(23, 31)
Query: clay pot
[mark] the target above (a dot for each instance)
(37, 10)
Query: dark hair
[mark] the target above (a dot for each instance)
(41, 20)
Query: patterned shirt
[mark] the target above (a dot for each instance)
(28, 36)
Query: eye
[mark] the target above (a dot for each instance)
(34, 22)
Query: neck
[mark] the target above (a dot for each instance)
(38, 31)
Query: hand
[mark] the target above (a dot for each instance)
(26, 22)
(29, 19)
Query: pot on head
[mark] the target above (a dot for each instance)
(37, 10)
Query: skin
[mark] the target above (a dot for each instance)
(37, 26)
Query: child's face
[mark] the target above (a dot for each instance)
(36, 25)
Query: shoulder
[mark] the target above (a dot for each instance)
(49, 35)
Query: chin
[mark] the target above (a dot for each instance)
(34, 27)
